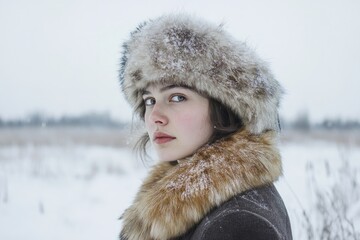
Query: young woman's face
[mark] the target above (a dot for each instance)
(177, 120)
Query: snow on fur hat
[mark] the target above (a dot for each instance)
(181, 50)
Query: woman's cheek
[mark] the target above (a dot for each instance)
(187, 121)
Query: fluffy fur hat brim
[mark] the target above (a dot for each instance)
(181, 50)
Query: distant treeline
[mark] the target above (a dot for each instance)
(41, 120)
(301, 122)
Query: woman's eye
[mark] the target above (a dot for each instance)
(177, 98)
(149, 101)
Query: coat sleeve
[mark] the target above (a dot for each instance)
(242, 225)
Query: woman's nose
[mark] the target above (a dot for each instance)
(158, 116)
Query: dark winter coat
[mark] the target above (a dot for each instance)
(256, 214)
(223, 191)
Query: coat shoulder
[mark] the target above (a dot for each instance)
(255, 214)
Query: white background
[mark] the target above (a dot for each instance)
(62, 57)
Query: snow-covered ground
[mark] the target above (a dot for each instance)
(318, 176)
(78, 191)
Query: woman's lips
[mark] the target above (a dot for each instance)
(161, 138)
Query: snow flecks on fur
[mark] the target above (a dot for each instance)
(172, 51)
(183, 40)
(193, 181)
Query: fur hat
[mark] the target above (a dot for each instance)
(182, 50)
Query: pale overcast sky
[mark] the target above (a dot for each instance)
(62, 56)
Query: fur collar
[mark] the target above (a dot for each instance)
(173, 198)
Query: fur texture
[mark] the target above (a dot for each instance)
(175, 197)
(181, 50)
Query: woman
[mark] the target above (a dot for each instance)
(210, 108)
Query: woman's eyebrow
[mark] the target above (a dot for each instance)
(168, 87)
(147, 92)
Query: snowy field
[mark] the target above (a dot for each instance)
(74, 185)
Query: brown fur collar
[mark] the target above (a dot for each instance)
(175, 197)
